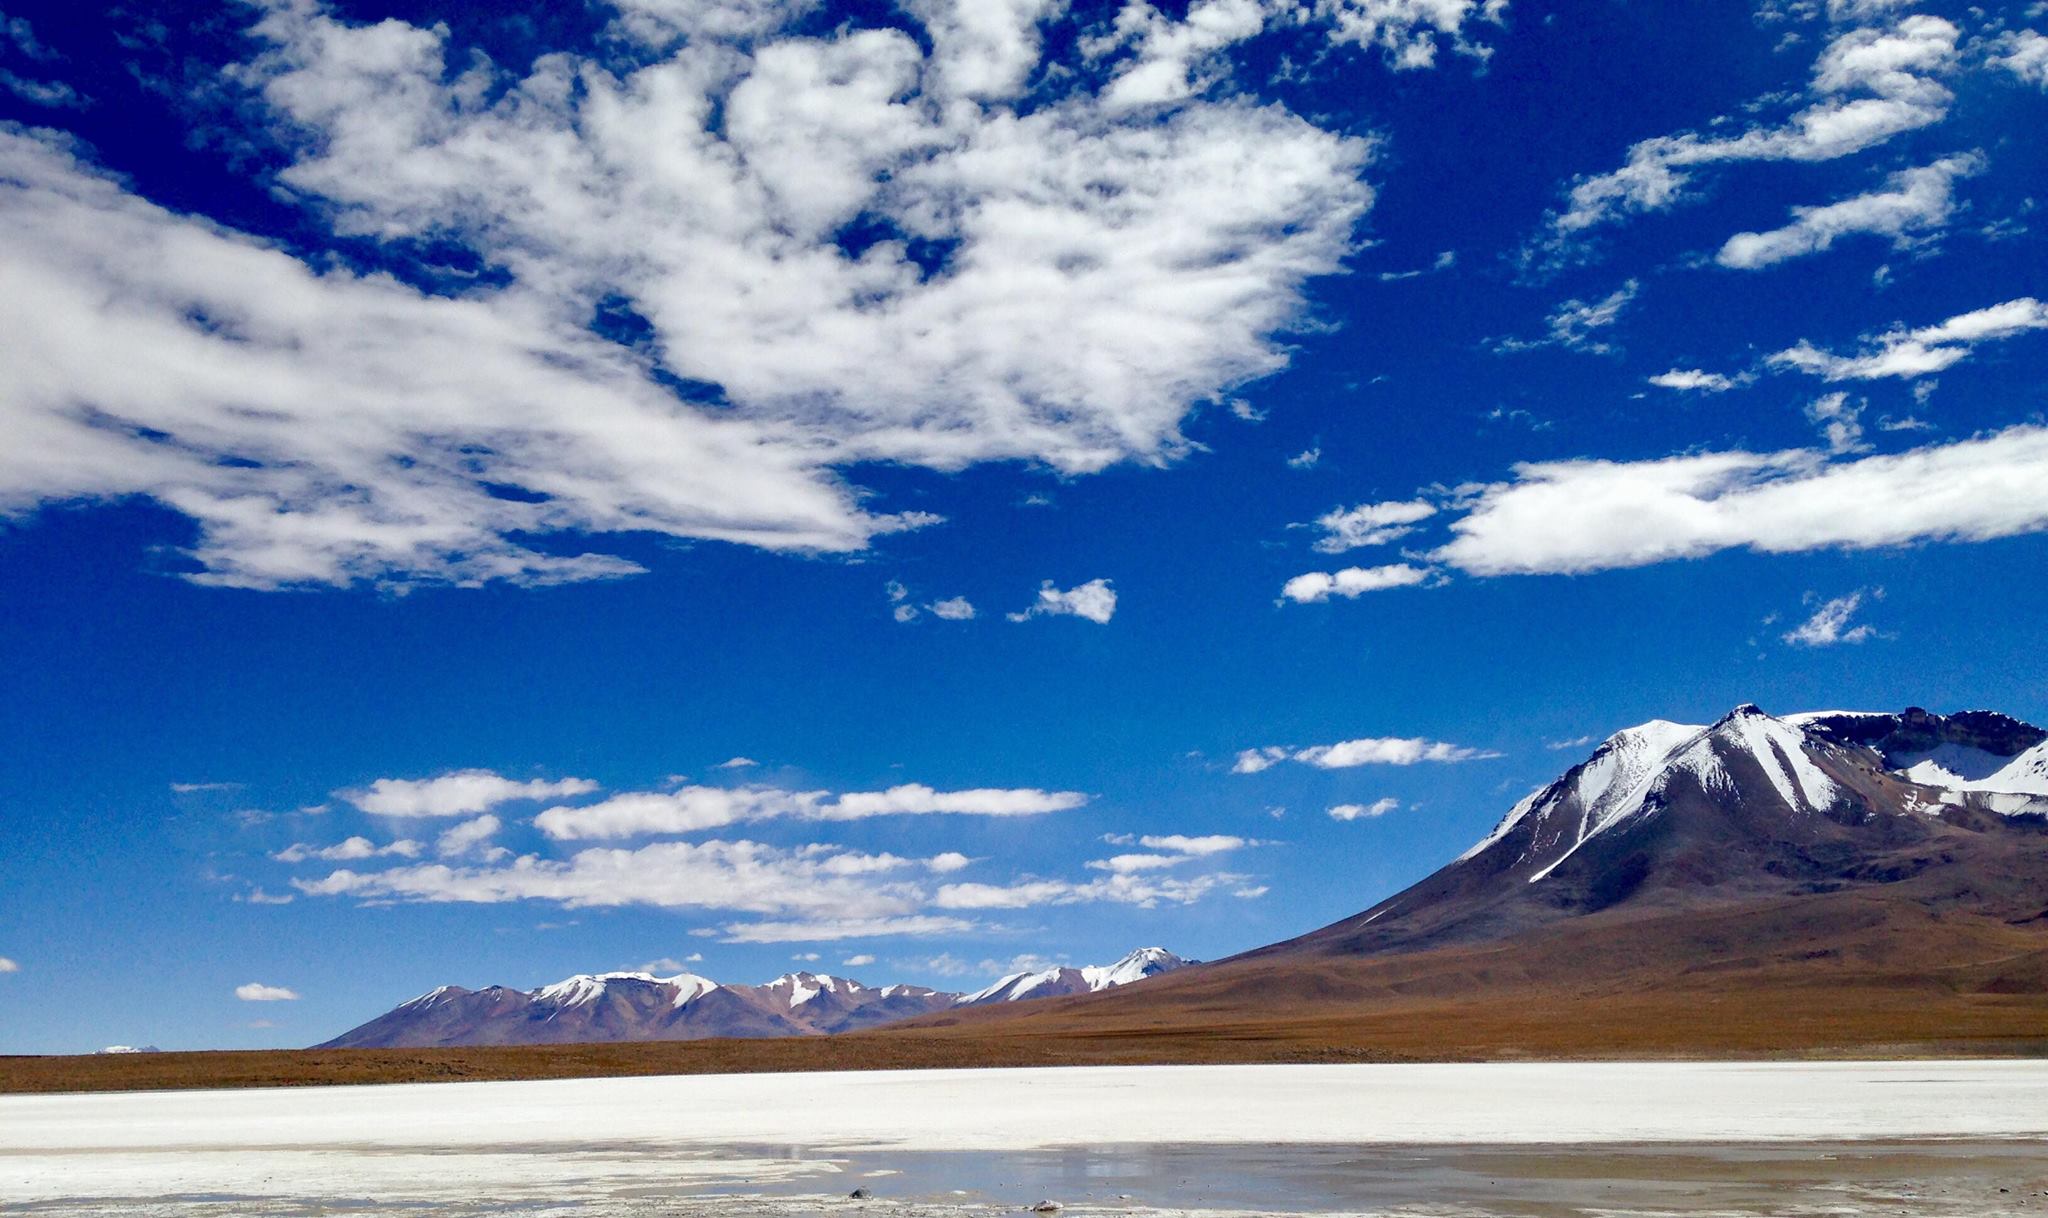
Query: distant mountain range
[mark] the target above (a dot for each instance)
(1756, 883)
(641, 1006)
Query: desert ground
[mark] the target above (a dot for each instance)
(1528, 1140)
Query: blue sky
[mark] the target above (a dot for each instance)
(1100, 474)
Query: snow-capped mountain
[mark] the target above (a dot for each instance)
(1664, 815)
(642, 1006)
(1061, 980)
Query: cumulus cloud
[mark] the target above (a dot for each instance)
(1830, 625)
(256, 991)
(1173, 59)
(1369, 524)
(1305, 459)
(860, 961)
(1371, 811)
(1094, 600)
(953, 609)
(347, 850)
(2024, 53)
(458, 793)
(1907, 354)
(1345, 754)
(1566, 517)
(1351, 582)
(8, 966)
(674, 338)
(1914, 203)
(1868, 85)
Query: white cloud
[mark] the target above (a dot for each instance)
(1566, 517)
(1369, 524)
(1916, 202)
(467, 836)
(458, 793)
(1575, 324)
(1840, 422)
(816, 881)
(1177, 848)
(1173, 60)
(256, 991)
(1868, 85)
(1906, 354)
(860, 961)
(918, 799)
(827, 930)
(1306, 459)
(8, 966)
(1351, 582)
(1370, 750)
(348, 850)
(685, 810)
(948, 861)
(1371, 811)
(1094, 600)
(1694, 379)
(953, 609)
(1124, 864)
(1213, 843)
(669, 966)
(736, 763)
(2024, 53)
(1103, 274)
(807, 957)
(1444, 262)
(693, 808)
(1829, 624)
(1124, 888)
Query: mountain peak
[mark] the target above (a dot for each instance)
(1671, 815)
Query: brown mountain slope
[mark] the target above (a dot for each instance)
(1756, 885)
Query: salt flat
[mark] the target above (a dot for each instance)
(607, 1143)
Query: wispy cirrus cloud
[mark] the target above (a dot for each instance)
(1906, 354)
(1832, 622)
(1869, 85)
(1913, 205)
